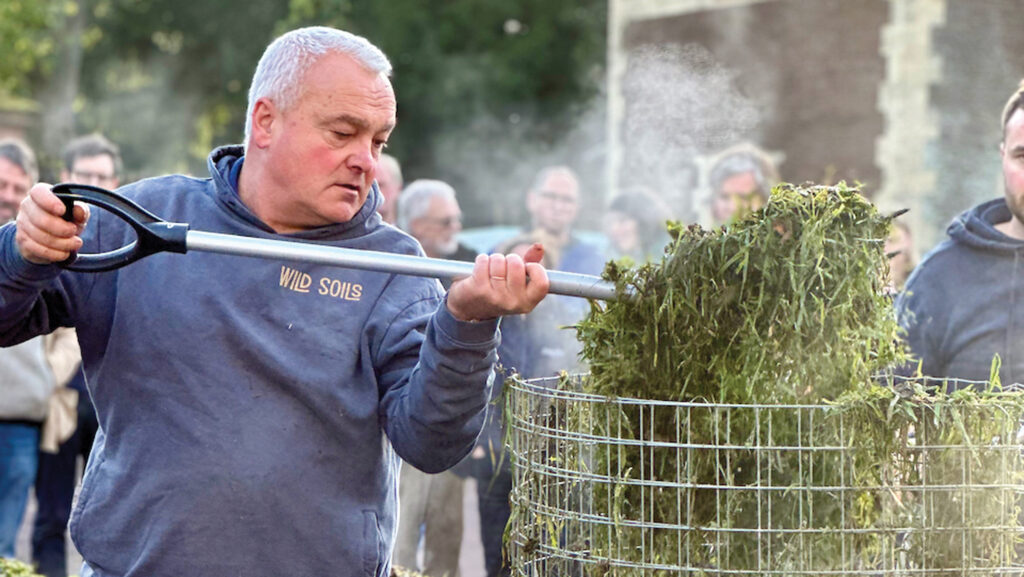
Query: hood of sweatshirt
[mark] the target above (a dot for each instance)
(976, 228)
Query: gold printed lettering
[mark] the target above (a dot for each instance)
(338, 289)
(294, 280)
(302, 283)
(286, 275)
(356, 293)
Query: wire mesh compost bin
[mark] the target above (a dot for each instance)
(886, 485)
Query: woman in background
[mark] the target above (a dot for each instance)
(635, 224)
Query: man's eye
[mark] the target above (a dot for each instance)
(380, 144)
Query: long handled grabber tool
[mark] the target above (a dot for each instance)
(156, 235)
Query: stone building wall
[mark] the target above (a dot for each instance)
(900, 95)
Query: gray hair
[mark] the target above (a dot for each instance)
(415, 199)
(20, 155)
(280, 71)
(391, 165)
(741, 159)
(542, 176)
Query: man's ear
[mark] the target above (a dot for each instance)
(264, 121)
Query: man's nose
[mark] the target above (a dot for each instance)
(362, 158)
(8, 195)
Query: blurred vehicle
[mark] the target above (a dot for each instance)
(484, 238)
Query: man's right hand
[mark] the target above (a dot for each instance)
(43, 236)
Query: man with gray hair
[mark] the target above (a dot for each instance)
(429, 211)
(26, 380)
(253, 412)
(18, 171)
(431, 505)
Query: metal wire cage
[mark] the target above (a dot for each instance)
(626, 487)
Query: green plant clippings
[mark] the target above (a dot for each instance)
(734, 421)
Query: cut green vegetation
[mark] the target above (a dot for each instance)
(733, 422)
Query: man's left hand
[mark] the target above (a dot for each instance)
(500, 285)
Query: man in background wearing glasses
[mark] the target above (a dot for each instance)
(429, 211)
(92, 160)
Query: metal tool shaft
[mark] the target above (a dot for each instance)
(563, 283)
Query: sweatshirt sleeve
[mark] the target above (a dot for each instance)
(32, 299)
(435, 374)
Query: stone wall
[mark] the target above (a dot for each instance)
(901, 95)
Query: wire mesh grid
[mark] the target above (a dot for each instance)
(638, 487)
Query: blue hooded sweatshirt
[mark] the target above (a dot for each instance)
(965, 302)
(251, 409)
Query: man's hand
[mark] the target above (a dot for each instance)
(43, 236)
(500, 285)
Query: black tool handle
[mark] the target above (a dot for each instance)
(154, 235)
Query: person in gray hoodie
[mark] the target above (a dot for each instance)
(252, 412)
(964, 303)
(26, 381)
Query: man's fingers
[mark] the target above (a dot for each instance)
(535, 253)
(81, 215)
(42, 234)
(27, 229)
(38, 253)
(480, 268)
(42, 195)
(539, 284)
(42, 225)
(500, 285)
(496, 268)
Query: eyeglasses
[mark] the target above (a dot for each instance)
(446, 222)
(86, 177)
(552, 196)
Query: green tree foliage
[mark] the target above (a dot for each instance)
(483, 85)
(26, 42)
(167, 79)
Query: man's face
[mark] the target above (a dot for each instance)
(321, 153)
(899, 242)
(1012, 151)
(736, 196)
(14, 185)
(437, 228)
(555, 203)
(96, 170)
